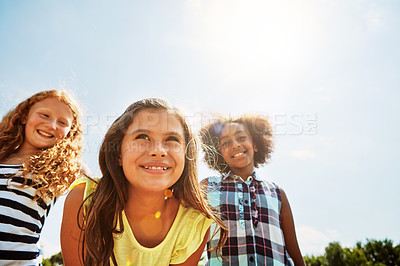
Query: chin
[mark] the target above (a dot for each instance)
(43, 147)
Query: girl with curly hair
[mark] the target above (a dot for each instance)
(147, 209)
(256, 211)
(40, 144)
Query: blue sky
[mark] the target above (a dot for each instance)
(325, 72)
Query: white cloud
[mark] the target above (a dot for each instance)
(312, 241)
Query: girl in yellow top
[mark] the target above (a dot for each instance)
(147, 208)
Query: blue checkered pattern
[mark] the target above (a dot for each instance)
(251, 211)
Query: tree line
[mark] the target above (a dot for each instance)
(373, 252)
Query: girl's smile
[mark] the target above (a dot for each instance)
(238, 154)
(156, 168)
(44, 134)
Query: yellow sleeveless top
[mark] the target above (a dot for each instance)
(183, 239)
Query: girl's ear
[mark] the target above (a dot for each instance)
(23, 120)
(255, 148)
(119, 160)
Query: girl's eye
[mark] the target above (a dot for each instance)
(225, 143)
(242, 138)
(142, 136)
(172, 138)
(44, 115)
(63, 123)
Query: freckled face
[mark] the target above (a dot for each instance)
(48, 121)
(153, 151)
(237, 149)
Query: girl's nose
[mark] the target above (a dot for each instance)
(51, 123)
(235, 144)
(158, 150)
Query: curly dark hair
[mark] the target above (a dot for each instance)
(259, 129)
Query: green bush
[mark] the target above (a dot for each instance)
(374, 252)
(54, 260)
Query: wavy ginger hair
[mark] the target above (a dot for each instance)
(103, 213)
(54, 168)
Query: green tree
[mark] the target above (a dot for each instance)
(315, 261)
(56, 259)
(376, 253)
(334, 254)
(355, 256)
(382, 252)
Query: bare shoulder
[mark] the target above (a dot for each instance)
(72, 205)
(285, 206)
(283, 196)
(75, 198)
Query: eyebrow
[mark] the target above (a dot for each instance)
(240, 131)
(172, 133)
(139, 131)
(220, 139)
(237, 132)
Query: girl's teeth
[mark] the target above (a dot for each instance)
(45, 134)
(155, 168)
(236, 155)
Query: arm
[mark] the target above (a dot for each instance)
(289, 231)
(70, 232)
(195, 257)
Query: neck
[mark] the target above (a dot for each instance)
(19, 156)
(244, 173)
(140, 204)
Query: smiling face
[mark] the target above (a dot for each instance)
(237, 149)
(153, 151)
(48, 120)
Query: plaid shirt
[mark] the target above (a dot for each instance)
(251, 211)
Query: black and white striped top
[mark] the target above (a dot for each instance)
(21, 218)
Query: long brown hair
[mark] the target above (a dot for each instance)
(103, 215)
(54, 168)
